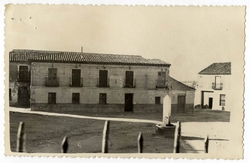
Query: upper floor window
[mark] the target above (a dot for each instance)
(103, 78)
(217, 85)
(129, 79)
(52, 80)
(23, 74)
(161, 81)
(76, 80)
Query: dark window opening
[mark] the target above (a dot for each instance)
(157, 100)
(10, 97)
(129, 79)
(75, 98)
(24, 75)
(102, 98)
(103, 78)
(76, 78)
(52, 98)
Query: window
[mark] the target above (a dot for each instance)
(103, 78)
(52, 80)
(161, 79)
(157, 100)
(129, 79)
(23, 73)
(76, 78)
(102, 98)
(75, 98)
(52, 98)
(10, 97)
(222, 100)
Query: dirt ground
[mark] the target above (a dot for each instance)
(45, 133)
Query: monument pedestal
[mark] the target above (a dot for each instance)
(167, 131)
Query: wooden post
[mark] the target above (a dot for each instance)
(140, 143)
(206, 144)
(105, 137)
(64, 145)
(177, 137)
(20, 147)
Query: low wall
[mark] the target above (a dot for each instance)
(76, 108)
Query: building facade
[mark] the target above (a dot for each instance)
(88, 82)
(214, 86)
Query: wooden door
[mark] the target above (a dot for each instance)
(128, 102)
(76, 77)
(210, 103)
(129, 79)
(103, 78)
(181, 104)
(23, 96)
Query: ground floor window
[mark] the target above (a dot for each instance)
(75, 98)
(103, 98)
(222, 99)
(157, 100)
(10, 97)
(52, 98)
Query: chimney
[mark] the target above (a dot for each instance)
(81, 49)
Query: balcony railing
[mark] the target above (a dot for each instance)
(52, 82)
(23, 76)
(217, 86)
(103, 85)
(129, 85)
(76, 83)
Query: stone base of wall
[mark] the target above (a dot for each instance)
(76, 108)
(189, 108)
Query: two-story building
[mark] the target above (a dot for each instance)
(214, 86)
(87, 82)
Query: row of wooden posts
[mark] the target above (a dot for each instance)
(21, 137)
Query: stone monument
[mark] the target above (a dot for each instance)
(166, 128)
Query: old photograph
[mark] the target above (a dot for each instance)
(141, 81)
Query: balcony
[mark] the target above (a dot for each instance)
(52, 82)
(160, 83)
(76, 83)
(217, 86)
(129, 84)
(23, 76)
(103, 83)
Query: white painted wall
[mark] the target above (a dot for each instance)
(205, 84)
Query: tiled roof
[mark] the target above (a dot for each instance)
(78, 57)
(223, 68)
(177, 85)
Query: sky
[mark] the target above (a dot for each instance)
(189, 38)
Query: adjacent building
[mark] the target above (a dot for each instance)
(214, 86)
(90, 82)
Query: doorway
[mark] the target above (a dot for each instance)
(181, 103)
(128, 102)
(210, 102)
(23, 96)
